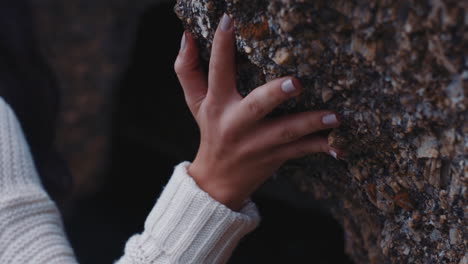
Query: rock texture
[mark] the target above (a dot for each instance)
(397, 73)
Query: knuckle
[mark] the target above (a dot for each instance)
(215, 65)
(275, 96)
(212, 112)
(184, 66)
(255, 108)
(228, 136)
(179, 66)
(248, 150)
(288, 135)
(227, 133)
(314, 121)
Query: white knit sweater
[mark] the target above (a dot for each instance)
(185, 226)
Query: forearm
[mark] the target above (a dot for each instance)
(188, 226)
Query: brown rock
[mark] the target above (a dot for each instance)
(398, 74)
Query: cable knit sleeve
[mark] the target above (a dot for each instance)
(31, 229)
(189, 226)
(185, 226)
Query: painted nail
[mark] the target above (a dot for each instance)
(182, 43)
(226, 23)
(330, 119)
(288, 86)
(333, 153)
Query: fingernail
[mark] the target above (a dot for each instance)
(330, 119)
(288, 86)
(182, 43)
(226, 23)
(333, 153)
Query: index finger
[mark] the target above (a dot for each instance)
(222, 72)
(262, 100)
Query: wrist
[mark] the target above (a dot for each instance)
(209, 181)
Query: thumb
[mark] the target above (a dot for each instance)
(190, 73)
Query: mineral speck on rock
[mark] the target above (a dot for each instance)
(428, 147)
(396, 72)
(327, 94)
(282, 56)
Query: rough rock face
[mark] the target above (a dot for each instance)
(397, 73)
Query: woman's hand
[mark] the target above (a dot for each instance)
(239, 148)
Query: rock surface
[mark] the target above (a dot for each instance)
(397, 73)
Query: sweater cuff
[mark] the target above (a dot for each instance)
(189, 226)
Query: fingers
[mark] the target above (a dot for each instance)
(305, 146)
(291, 128)
(265, 98)
(222, 74)
(190, 73)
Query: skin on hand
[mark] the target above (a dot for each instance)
(239, 148)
